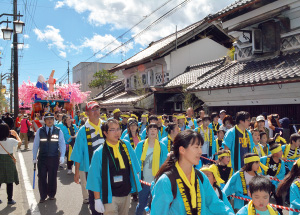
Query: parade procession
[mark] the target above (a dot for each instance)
(175, 107)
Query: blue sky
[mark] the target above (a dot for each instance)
(74, 30)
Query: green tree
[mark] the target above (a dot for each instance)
(3, 102)
(101, 78)
(191, 100)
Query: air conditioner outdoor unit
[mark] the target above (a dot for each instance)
(257, 46)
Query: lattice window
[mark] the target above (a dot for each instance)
(144, 79)
(128, 82)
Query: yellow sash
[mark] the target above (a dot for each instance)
(156, 155)
(251, 209)
(117, 153)
(190, 185)
(96, 127)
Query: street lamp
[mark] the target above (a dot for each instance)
(18, 27)
(7, 31)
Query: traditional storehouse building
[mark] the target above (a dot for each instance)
(265, 73)
(146, 73)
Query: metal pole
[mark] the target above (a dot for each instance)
(11, 83)
(68, 73)
(16, 73)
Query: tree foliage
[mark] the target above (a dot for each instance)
(101, 78)
(3, 102)
(191, 100)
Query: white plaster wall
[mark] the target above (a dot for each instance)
(195, 53)
(83, 73)
(258, 95)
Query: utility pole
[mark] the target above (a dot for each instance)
(68, 73)
(16, 71)
(11, 83)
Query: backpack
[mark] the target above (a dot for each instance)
(174, 184)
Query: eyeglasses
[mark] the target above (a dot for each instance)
(114, 130)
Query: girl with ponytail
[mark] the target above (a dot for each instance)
(239, 182)
(180, 189)
(292, 181)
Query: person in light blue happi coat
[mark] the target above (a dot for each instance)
(291, 182)
(174, 193)
(238, 184)
(151, 154)
(113, 173)
(239, 140)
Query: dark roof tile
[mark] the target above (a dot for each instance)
(251, 72)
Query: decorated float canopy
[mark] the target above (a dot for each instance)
(45, 93)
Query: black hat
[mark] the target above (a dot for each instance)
(48, 115)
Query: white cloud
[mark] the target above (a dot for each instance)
(99, 43)
(62, 54)
(59, 4)
(26, 36)
(120, 14)
(1, 48)
(52, 36)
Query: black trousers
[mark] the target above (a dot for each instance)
(47, 174)
(9, 191)
(279, 199)
(92, 201)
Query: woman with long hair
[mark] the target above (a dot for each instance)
(69, 130)
(292, 182)
(180, 189)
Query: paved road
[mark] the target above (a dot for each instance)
(68, 199)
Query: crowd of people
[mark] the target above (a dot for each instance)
(193, 163)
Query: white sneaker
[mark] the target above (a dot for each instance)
(69, 172)
(86, 201)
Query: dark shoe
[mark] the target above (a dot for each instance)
(0, 201)
(42, 200)
(61, 167)
(51, 198)
(12, 202)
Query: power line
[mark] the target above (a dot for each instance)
(129, 29)
(157, 21)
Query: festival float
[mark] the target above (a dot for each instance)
(45, 96)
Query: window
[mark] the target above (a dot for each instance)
(178, 106)
(144, 79)
(128, 82)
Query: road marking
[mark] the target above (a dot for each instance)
(28, 187)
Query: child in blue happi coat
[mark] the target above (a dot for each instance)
(260, 189)
(238, 184)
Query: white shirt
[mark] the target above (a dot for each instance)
(9, 145)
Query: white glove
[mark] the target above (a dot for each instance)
(99, 207)
(61, 160)
(34, 161)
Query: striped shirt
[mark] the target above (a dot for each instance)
(97, 140)
(292, 151)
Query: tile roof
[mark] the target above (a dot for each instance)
(114, 88)
(158, 46)
(235, 5)
(125, 98)
(234, 74)
(193, 72)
